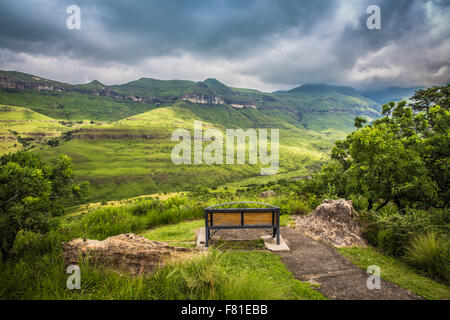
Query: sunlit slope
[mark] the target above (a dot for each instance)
(73, 105)
(133, 156)
(324, 108)
(317, 107)
(21, 124)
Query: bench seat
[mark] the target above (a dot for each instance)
(242, 218)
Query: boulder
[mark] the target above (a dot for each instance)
(333, 222)
(126, 252)
(268, 194)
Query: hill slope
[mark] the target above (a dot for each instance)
(132, 156)
(124, 145)
(317, 107)
(391, 94)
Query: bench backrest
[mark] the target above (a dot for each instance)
(241, 216)
(245, 218)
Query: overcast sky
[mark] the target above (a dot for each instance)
(265, 44)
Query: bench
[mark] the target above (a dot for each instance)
(217, 218)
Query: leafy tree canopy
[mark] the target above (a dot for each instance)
(30, 190)
(402, 157)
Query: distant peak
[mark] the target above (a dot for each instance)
(96, 82)
(321, 88)
(216, 85)
(213, 81)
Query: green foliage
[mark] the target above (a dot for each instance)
(53, 142)
(200, 192)
(29, 190)
(359, 122)
(37, 272)
(77, 106)
(214, 275)
(392, 231)
(144, 214)
(431, 253)
(425, 99)
(397, 271)
(403, 157)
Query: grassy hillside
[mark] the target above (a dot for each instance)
(20, 126)
(119, 136)
(133, 156)
(73, 105)
(156, 88)
(391, 94)
(96, 101)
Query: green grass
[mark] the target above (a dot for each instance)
(185, 231)
(23, 122)
(108, 221)
(238, 245)
(37, 270)
(132, 156)
(73, 105)
(229, 275)
(431, 253)
(398, 272)
(184, 234)
(180, 232)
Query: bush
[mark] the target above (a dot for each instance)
(392, 231)
(144, 214)
(430, 252)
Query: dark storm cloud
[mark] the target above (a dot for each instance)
(211, 27)
(402, 20)
(130, 30)
(272, 42)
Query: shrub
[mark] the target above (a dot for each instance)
(392, 231)
(430, 252)
(30, 194)
(104, 223)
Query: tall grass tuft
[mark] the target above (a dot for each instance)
(392, 231)
(430, 252)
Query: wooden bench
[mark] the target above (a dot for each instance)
(217, 218)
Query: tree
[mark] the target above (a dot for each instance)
(424, 99)
(30, 191)
(383, 168)
(360, 122)
(402, 157)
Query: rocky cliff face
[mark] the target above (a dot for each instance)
(7, 83)
(202, 99)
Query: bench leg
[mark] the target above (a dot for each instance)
(274, 232)
(278, 235)
(206, 230)
(278, 228)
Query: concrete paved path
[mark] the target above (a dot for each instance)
(315, 262)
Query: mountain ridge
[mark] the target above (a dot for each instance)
(317, 107)
(183, 86)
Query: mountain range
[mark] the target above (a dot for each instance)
(119, 135)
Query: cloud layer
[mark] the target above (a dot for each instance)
(265, 44)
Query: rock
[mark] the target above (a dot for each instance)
(268, 194)
(126, 252)
(333, 222)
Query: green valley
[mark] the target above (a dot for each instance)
(119, 136)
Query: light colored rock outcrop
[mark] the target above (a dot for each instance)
(202, 99)
(268, 194)
(126, 252)
(333, 222)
